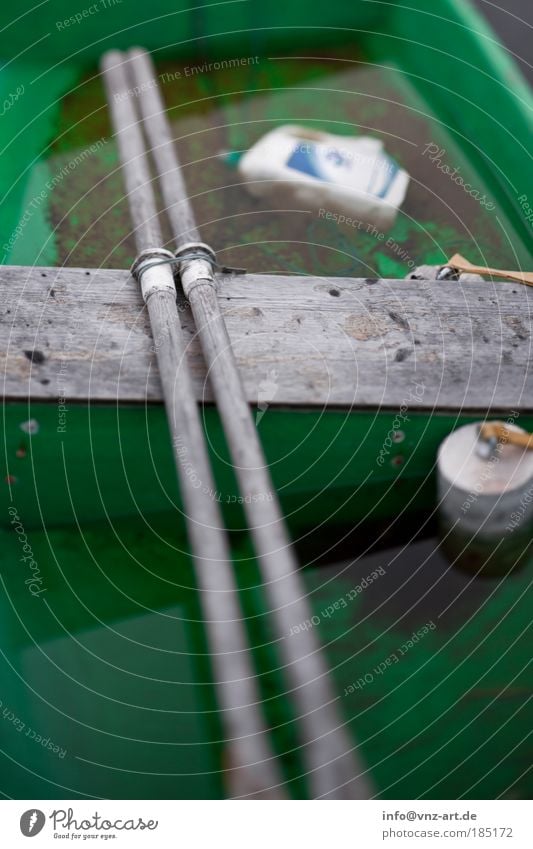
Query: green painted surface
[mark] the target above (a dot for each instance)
(103, 461)
(87, 661)
(476, 91)
(451, 718)
(109, 663)
(27, 128)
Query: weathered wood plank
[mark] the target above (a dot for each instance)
(299, 341)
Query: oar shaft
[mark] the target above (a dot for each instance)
(252, 768)
(330, 757)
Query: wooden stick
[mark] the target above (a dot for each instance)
(501, 433)
(331, 759)
(252, 769)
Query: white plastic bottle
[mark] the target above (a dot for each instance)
(348, 179)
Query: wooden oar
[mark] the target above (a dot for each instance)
(329, 754)
(250, 764)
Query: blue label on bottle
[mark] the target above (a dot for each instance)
(304, 159)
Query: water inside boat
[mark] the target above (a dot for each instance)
(104, 691)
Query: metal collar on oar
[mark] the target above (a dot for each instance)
(447, 272)
(144, 271)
